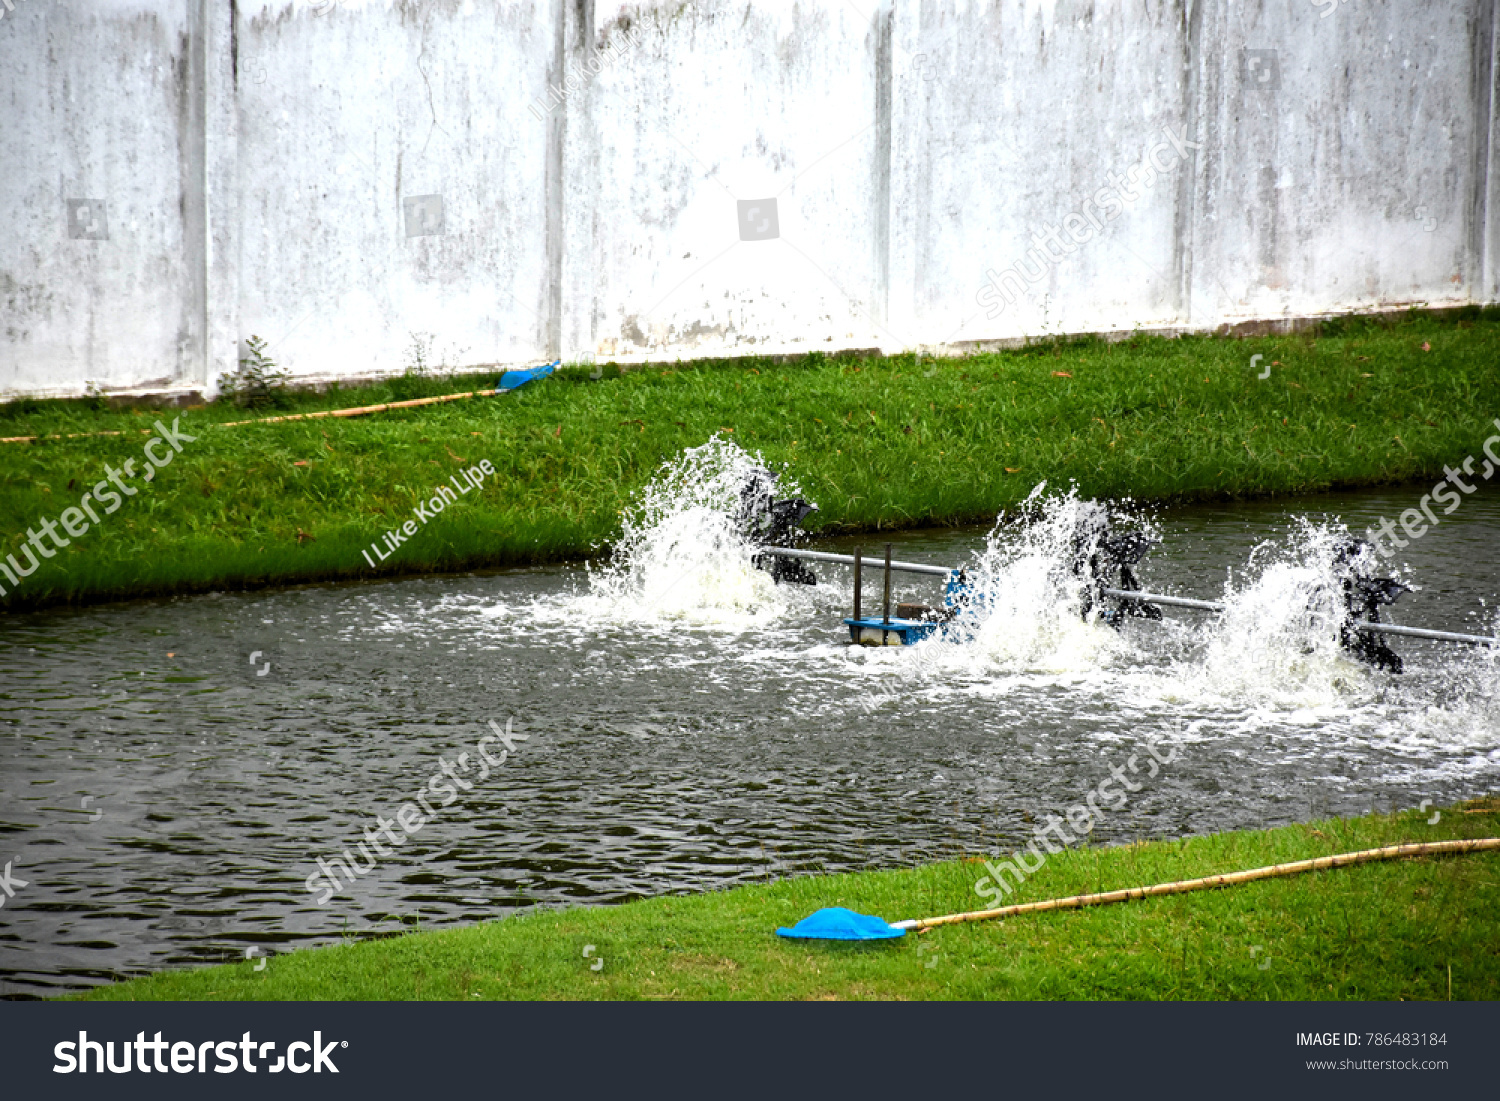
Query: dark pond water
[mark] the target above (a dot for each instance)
(171, 771)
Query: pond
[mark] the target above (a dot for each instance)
(172, 771)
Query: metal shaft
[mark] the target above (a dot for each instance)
(1422, 632)
(887, 583)
(1170, 601)
(1132, 594)
(1358, 625)
(859, 576)
(849, 560)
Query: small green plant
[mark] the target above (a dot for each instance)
(419, 380)
(258, 384)
(421, 345)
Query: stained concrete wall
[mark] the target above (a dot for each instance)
(101, 135)
(715, 178)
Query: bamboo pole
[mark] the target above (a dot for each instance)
(69, 436)
(361, 410)
(357, 411)
(1390, 852)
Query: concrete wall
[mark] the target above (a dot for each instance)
(339, 175)
(100, 133)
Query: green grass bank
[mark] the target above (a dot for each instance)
(879, 443)
(1422, 928)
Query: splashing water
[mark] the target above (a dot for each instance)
(681, 557)
(1272, 657)
(1277, 642)
(1473, 714)
(1026, 621)
(1031, 615)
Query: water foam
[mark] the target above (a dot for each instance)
(1030, 616)
(680, 558)
(1272, 662)
(1277, 643)
(1024, 628)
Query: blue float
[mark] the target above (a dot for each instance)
(837, 923)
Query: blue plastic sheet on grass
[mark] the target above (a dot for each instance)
(837, 923)
(511, 379)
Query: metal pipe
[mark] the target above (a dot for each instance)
(1154, 598)
(1170, 601)
(1358, 625)
(859, 577)
(1422, 632)
(887, 583)
(848, 560)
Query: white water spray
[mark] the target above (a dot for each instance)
(1272, 661)
(1277, 642)
(681, 557)
(1030, 615)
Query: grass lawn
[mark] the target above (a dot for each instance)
(1400, 929)
(878, 443)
